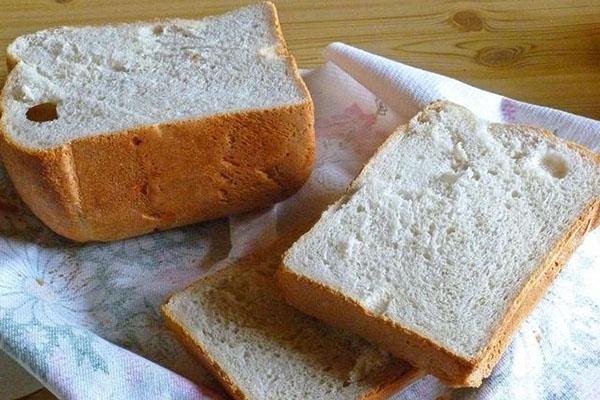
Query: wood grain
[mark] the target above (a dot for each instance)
(540, 51)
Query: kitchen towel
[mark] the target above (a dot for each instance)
(84, 319)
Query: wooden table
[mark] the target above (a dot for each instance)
(542, 51)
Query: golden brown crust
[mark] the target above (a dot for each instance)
(395, 383)
(334, 307)
(121, 184)
(130, 183)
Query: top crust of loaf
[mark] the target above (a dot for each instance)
(565, 174)
(162, 71)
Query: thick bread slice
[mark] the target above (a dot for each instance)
(447, 239)
(119, 130)
(239, 326)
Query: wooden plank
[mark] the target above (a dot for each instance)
(541, 51)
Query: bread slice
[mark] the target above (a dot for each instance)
(238, 324)
(447, 239)
(119, 130)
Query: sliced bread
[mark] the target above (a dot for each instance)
(118, 130)
(447, 239)
(239, 326)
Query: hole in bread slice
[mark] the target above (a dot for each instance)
(555, 165)
(43, 112)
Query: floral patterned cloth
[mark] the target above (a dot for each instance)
(84, 319)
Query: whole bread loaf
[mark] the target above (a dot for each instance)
(120, 130)
(447, 239)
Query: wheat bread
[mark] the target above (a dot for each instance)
(447, 239)
(239, 326)
(118, 130)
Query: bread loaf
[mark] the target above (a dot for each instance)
(119, 130)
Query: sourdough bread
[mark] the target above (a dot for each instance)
(119, 130)
(238, 324)
(446, 240)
